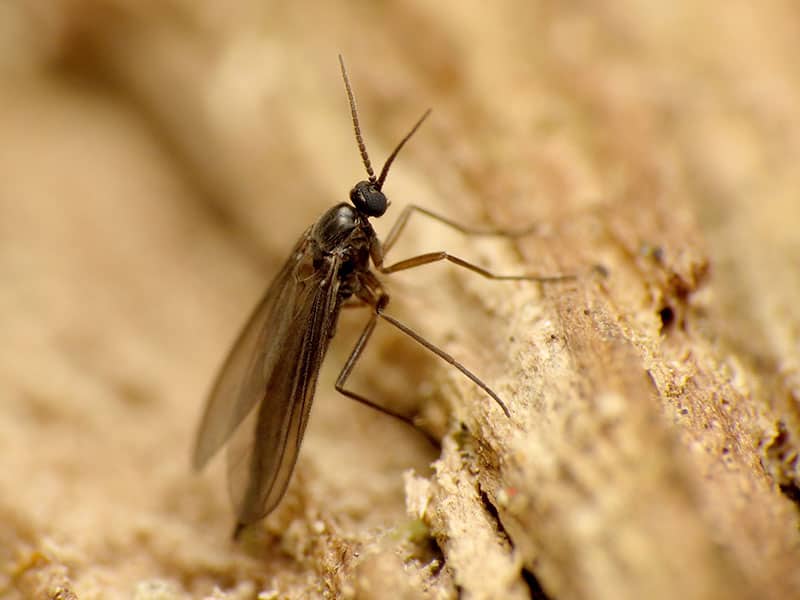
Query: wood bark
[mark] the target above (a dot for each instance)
(159, 162)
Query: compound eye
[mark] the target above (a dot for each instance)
(368, 199)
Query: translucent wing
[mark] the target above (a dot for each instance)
(242, 379)
(263, 451)
(275, 361)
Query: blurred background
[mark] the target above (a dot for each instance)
(158, 160)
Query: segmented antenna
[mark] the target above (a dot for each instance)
(354, 112)
(388, 163)
(361, 147)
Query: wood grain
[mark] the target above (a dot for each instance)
(157, 164)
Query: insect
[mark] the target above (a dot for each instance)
(262, 396)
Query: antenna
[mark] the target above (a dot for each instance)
(361, 147)
(388, 163)
(354, 112)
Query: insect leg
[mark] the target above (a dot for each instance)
(348, 369)
(430, 257)
(444, 356)
(379, 250)
(402, 220)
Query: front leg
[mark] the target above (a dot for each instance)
(405, 215)
(378, 251)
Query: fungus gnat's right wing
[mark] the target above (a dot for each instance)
(274, 362)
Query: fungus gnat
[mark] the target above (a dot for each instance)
(264, 390)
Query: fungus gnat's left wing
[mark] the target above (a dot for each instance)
(274, 364)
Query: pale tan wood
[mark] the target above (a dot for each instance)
(156, 166)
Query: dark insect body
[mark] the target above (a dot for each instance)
(262, 396)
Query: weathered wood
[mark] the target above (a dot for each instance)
(157, 164)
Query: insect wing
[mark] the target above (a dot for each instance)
(242, 380)
(263, 451)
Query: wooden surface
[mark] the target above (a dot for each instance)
(155, 168)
